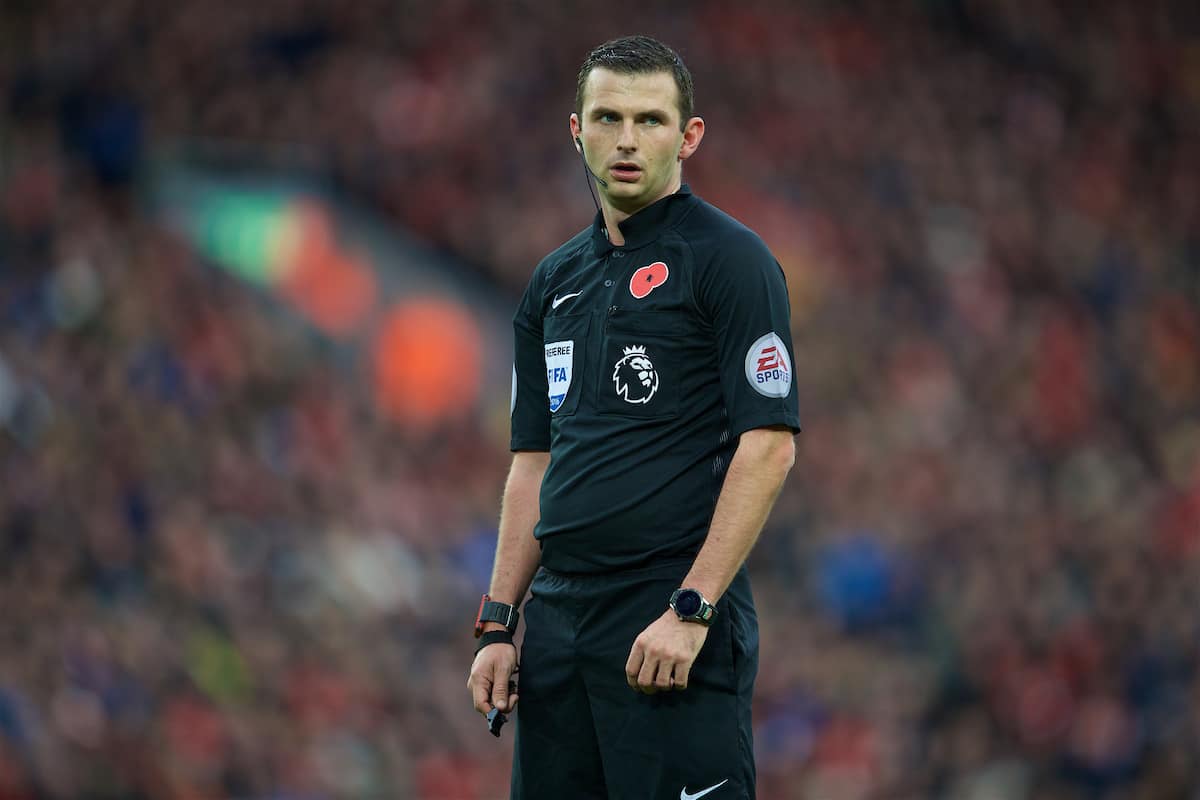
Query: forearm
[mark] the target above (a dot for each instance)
(517, 556)
(517, 552)
(759, 466)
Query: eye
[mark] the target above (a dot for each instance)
(608, 117)
(653, 121)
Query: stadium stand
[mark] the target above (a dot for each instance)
(225, 573)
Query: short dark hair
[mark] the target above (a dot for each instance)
(638, 55)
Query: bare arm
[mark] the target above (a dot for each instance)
(663, 654)
(762, 461)
(517, 552)
(517, 556)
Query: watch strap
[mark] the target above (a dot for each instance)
(493, 611)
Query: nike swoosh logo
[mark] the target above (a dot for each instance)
(683, 793)
(558, 301)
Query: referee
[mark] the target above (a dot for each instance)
(653, 413)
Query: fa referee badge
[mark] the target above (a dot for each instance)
(560, 358)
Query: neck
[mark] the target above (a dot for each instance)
(614, 216)
(612, 221)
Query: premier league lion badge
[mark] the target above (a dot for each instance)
(634, 376)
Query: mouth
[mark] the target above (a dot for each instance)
(626, 171)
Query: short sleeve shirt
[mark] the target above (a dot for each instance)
(637, 367)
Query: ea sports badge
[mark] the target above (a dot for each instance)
(559, 360)
(768, 367)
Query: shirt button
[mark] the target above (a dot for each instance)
(618, 254)
(608, 283)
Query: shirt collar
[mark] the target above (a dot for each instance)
(644, 226)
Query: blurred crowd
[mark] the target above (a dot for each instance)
(224, 574)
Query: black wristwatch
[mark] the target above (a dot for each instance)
(492, 611)
(690, 606)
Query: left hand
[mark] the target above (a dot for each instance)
(663, 654)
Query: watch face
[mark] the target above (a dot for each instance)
(687, 604)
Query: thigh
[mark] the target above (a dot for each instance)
(555, 751)
(672, 744)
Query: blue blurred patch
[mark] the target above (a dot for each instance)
(861, 583)
(475, 556)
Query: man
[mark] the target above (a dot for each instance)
(652, 424)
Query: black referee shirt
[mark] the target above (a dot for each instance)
(637, 368)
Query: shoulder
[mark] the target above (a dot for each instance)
(718, 236)
(564, 253)
(543, 278)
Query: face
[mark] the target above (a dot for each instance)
(631, 136)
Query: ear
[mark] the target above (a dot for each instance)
(576, 129)
(693, 132)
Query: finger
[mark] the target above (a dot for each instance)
(634, 665)
(683, 671)
(645, 680)
(662, 680)
(500, 686)
(481, 690)
(512, 701)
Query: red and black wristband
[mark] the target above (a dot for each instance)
(493, 611)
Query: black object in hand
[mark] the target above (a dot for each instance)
(495, 721)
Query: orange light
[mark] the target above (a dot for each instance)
(427, 361)
(335, 289)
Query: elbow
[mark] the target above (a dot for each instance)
(785, 456)
(773, 449)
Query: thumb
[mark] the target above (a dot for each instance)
(500, 687)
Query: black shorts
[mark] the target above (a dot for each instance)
(582, 733)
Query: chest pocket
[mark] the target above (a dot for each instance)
(641, 365)
(565, 338)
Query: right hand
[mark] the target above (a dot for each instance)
(490, 673)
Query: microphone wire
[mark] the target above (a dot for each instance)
(588, 176)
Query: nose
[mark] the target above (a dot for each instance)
(627, 142)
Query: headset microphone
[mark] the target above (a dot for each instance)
(599, 180)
